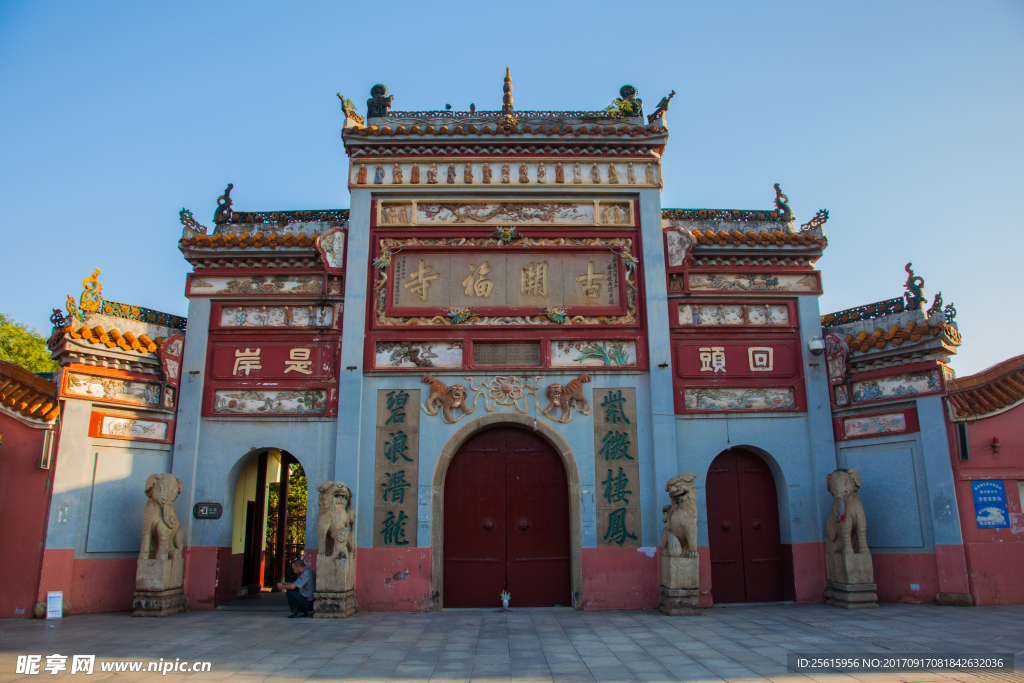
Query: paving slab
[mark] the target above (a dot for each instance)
(737, 644)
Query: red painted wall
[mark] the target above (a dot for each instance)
(207, 576)
(393, 579)
(24, 505)
(809, 572)
(897, 574)
(994, 557)
(92, 586)
(621, 578)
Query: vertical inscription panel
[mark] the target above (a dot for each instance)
(616, 468)
(396, 468)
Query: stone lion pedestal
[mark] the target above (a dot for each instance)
(680, 586)
(160, 573)
(335, 596)
(850, 577)
(680, 567)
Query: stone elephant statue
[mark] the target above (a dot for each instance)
(162, 534)
(335, 521)
(846, 529)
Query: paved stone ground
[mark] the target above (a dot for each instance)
(748, 643)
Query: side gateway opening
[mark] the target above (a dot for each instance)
(269, 522)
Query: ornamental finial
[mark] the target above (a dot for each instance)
(915, 289)
(508, 114)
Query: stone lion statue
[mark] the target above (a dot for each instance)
(448, 397)
(846, 530)
(679, 538)
(335, 521)
(162, 535)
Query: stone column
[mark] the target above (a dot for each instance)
(850, 575)
(335, 596)
(160, 574)
(680, 567)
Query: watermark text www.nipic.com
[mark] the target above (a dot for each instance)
(86, 664)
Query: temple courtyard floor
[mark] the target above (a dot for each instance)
(738, 643)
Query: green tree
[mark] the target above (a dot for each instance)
(24, 346)
(296, 530)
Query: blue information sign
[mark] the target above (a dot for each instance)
(990, 504)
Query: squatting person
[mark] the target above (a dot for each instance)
(300, 593)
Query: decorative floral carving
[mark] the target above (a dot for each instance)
(506, 390)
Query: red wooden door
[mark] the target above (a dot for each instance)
(743, 529)
(506, 522)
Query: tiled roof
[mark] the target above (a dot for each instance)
(875, 310)
(114, 338)
(26, 393)
(763, 238)
(593, 130)
(249, 241)
(896, 335)
(988, 392)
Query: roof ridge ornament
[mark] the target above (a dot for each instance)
(782, 204)
(508, 114)
(380, 101)
(915, 289)
(223, 212)
(348, 107)
(662, 108)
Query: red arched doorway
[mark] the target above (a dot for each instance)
(506, 522)
(743, 529)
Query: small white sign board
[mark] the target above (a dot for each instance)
(54, 604)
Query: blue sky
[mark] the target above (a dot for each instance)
(903, 119)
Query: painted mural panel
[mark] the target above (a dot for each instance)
(875, 424)
(598, 353)
(112, 389)
(753, 282)
(276, 316)
(715, 398)
(411, 354)
(733, 314)
(503, 213)
(617, 468)
(270, 401)
(396, 468)
(909, 384)
(201, 285)
(133, 428)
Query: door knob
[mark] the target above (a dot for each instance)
(756, 524)
(725, 526)
(523, 525)
(488, 525)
